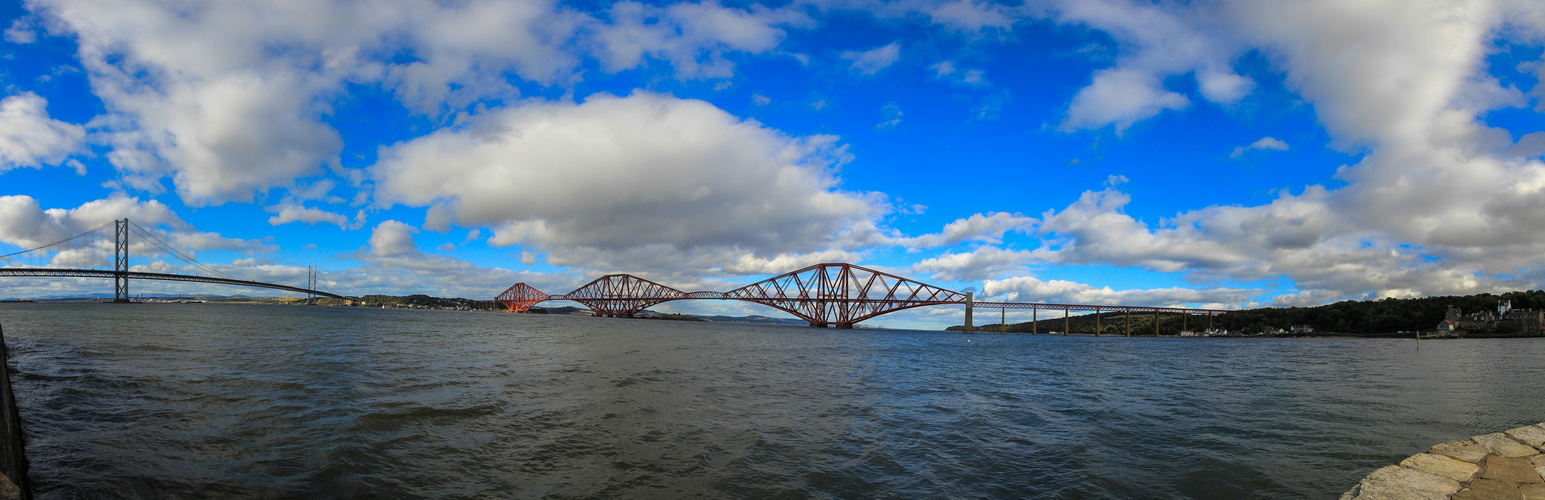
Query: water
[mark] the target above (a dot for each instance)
(210, 400)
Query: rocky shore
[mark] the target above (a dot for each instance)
(1502, 465)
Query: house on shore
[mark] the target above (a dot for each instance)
(1529, 322)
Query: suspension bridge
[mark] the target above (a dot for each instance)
(824, 295)
(129, 252)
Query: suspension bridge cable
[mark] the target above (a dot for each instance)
(184, 257)
(66, 240)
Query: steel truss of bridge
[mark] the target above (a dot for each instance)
(823, 294)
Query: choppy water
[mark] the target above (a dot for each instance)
(199, 401)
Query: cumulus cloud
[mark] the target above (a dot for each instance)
(1303, 238)
(25, 224)
(1120, 97)
(231, 99)
(287, 213)
(1407, 90)
(782, 263)
(970, 15)
(1155, 41)
(22, 31)
(395, 265)
(1030, 289)
(29, 138)
(869, 62)
(641, 179)
(393, 239)
(1223, 87)
(692, 37)
(1264, 143)
(988, 228)
(982, 263)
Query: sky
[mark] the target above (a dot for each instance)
(1216, 154)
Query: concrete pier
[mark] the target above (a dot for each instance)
(1508, 464)
(968, 312)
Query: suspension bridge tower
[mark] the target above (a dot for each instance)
(121, 261)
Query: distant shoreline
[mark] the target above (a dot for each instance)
(755, 319)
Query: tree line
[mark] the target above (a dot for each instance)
(1349, 316)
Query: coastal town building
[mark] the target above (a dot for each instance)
(1505, 318)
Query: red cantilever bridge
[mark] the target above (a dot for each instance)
(822, 294)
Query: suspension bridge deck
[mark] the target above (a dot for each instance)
(95, 254)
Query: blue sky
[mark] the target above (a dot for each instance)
(1206, 154)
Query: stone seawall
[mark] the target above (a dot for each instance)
(13, 461)
(1503, 465)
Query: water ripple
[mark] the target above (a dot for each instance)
(233, 401)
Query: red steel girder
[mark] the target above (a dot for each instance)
(622, 294)
(842, 294)
(521, 297)
(822, 294)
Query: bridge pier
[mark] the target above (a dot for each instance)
(844, 326)
(968, 312)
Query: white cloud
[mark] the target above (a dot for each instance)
(288, 213)
(943, 68)
(760, 100)
(982, 263)
(230, 99)
(1120, 97)
(393, 239)
(638, 182)
(1030, 289)
(25, 224)
(892, 114)
(988, 228)
(969, 15)
(693, 37)
(871, 61)
(1156, 41)
(1263, 143)
(1438, 204)
(21, 31)
(972, 77)
(782, 263)
(29, 138)
(394, 265)
(1223, 87)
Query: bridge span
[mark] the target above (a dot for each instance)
(92, 255)
(833, 294)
